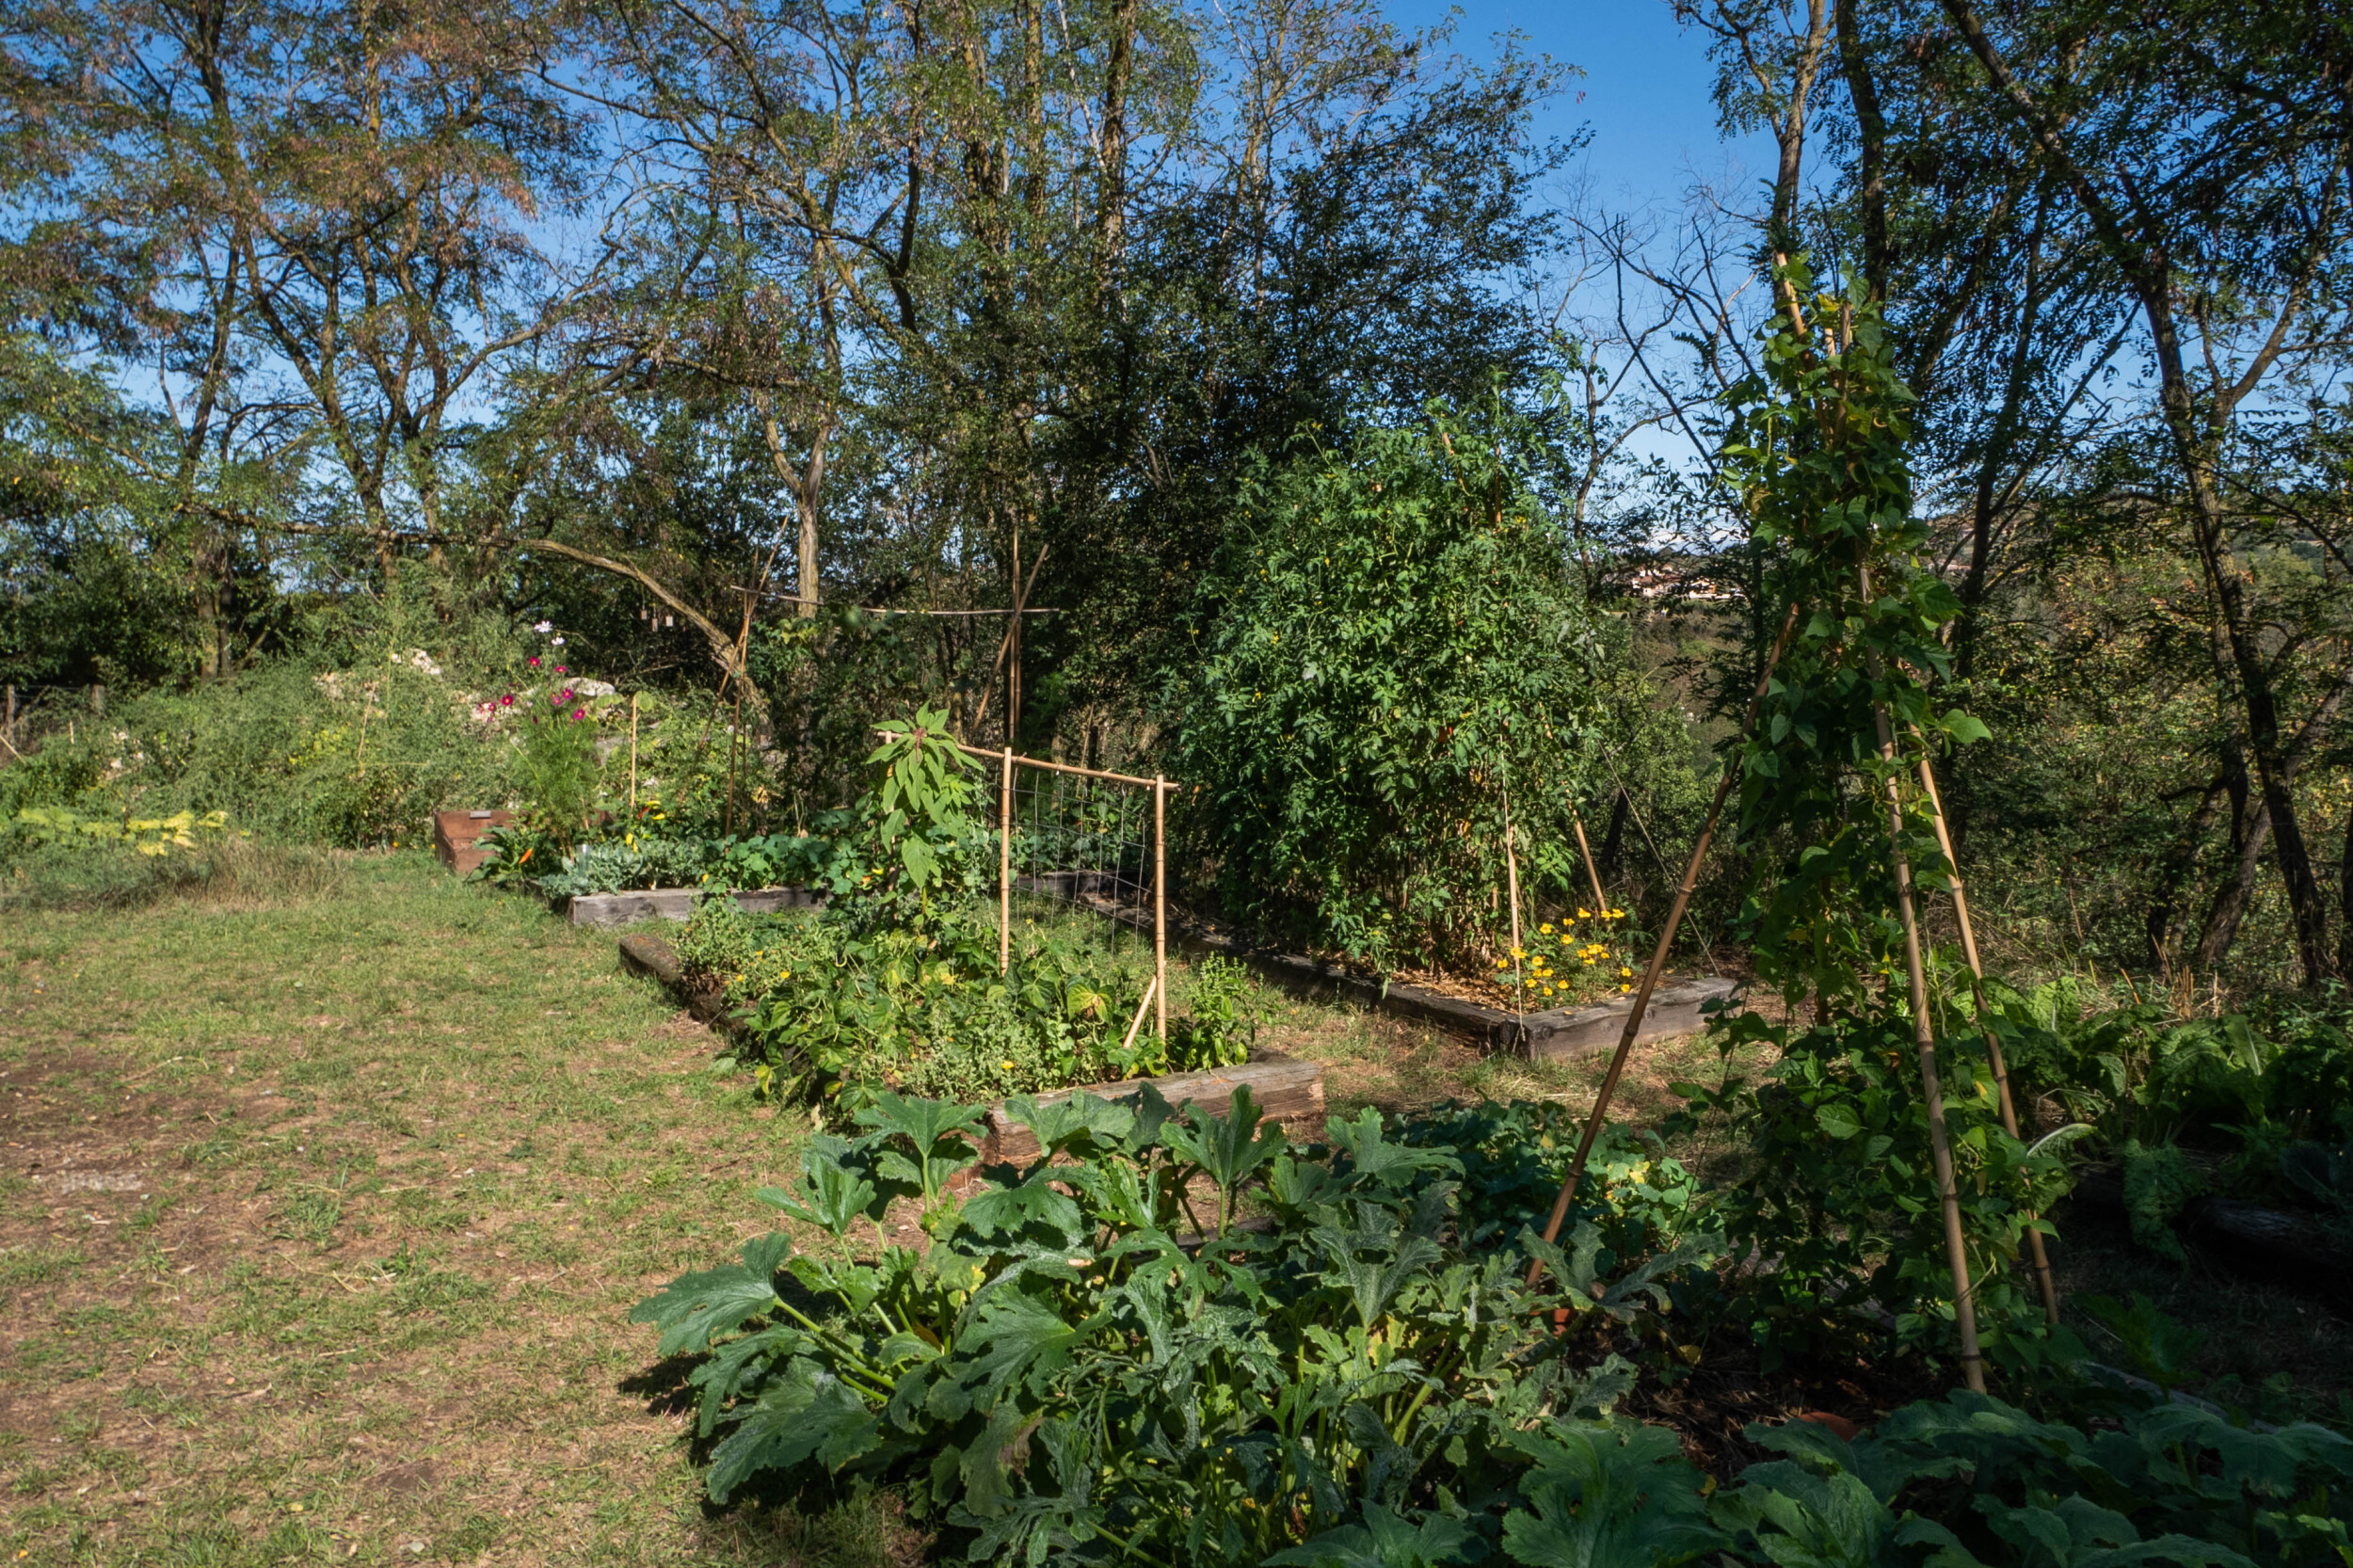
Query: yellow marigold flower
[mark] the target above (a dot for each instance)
(1006, 1065)
(1545, 928)
(1581, 914)
(1624, 973)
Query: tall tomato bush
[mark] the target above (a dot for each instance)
(1391, 647)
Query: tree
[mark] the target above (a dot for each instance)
(2207, 147)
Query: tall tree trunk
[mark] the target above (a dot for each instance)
(2146, 261)
(2173, 873)
(1113, 218)
(2345, 900)
(2237, 891)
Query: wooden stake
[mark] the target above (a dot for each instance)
(1593, 872)
(1658, 954)
(1151, 989)
(633, 756)
(1511, 877)
(2043, 1284)
(1004, 867)
(1159, 898)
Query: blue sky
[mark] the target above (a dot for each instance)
(1644, 93)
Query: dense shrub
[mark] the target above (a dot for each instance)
(1390, 646)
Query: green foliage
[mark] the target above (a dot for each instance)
(1816, 448)
(1221, 1024)
(1389, 643)
(2138, 1074)
(1358, 1380)
(557, 763)
(156, 835)
(913, 854)
(833, 1011)
(2159, 1183)
(1837, 1182)
(616, 866)
(1065, 1372)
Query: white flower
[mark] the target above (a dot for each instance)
(543, 628)
(557, 642)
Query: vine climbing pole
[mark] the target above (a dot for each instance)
(1821, 436)
(2035, 1249)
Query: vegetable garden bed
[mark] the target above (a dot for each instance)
(1286, 1092)
(676, 903)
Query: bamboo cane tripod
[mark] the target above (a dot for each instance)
(2035, 1249)
(1923, 1024)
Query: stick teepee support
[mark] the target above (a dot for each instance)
(1924, 1038)
(1658, 954)
(2035, 1249)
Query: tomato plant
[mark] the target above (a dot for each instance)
(1393, 656)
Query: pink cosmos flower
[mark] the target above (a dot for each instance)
(562, 670)
(535, 661)
(580, 712)
(567, 694)
(507, 701)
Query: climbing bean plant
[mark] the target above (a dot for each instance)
(1830, 796)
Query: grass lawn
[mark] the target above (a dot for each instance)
(319, 1219)
(326, 1192)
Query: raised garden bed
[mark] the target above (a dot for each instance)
(1286, 1092)
(1677, 1007)
(675, 903)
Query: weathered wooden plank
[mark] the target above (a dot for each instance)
(1289, 1093)
(1676, 1009)
(677, 904)
(666, 903)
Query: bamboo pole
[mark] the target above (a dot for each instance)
(1159, 898)
(735, 737)
(1005, 867)
(633, 756)
(1040, 763)
(1151, 989)
(1658, 954)
(1924, 1038)
(1512, 879)
(2035, 1250)
(1593, 872)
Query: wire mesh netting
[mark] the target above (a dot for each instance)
(1083, 842)
(1082, 857)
